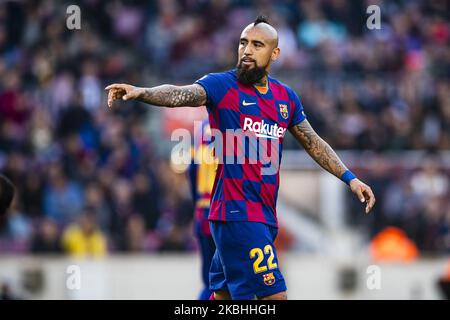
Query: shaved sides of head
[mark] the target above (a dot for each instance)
(258, 47)
(263, 23)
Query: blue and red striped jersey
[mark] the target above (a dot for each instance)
(246, 183)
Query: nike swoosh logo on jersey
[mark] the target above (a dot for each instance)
(247, 103)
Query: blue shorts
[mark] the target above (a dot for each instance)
(245, 262)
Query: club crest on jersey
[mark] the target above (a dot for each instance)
(284, 110)
(269, 279)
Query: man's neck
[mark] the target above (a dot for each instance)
(262, 85)
(262, 82)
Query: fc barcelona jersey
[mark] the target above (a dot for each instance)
(252, 123)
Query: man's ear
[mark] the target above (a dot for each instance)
(275, 54)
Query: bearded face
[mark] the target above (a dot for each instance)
(248, 71)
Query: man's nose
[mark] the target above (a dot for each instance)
(248, 51)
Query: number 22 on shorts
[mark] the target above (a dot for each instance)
(258, 253)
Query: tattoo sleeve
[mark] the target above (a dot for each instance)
(318, 149)
(174, 96)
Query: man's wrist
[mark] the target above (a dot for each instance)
(140, 92)
(348, 176)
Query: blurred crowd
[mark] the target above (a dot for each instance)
(94, 179)
(415, 200)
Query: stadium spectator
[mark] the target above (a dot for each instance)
(47, 239)
(382, 90)
(83, 238)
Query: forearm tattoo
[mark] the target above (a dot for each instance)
(318, 149)
(174, 96)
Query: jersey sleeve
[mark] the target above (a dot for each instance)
(214, 85)
(298, 113)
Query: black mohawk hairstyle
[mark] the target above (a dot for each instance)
(261, 19)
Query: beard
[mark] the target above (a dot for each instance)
(250, 76)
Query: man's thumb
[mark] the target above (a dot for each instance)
(128, 96)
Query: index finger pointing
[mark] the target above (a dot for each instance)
(113, 86)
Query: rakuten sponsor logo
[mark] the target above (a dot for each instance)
(241, 146)
(263, 129)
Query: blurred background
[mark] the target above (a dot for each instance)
(380, 97)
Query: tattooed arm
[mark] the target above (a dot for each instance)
(325, 156)
(165, 95)
(318, 149)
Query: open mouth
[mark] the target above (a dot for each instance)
(247, 62)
